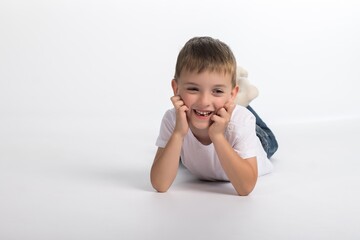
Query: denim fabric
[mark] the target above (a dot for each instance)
(266, 136)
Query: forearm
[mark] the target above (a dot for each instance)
(166, 164)
(242, 173)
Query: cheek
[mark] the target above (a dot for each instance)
(220, 103)
(187, 99)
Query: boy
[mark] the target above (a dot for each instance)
(214, 138)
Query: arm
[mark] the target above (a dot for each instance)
(166, 161)
(242, 173)
(166, 164)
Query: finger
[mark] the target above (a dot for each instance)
(175, 99)
(183, 108)
(177, 102)
(215, 118)
(222, 112)
(229, 107)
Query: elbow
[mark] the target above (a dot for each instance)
(246, 189)
(160, 189)
(159, 186)
(244, 192)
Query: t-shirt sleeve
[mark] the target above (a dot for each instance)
(246, 143)
(166, 128)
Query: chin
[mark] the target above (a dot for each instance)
(201, 125)
(198, 122)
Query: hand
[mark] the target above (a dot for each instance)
(181, 126)
(221, 120)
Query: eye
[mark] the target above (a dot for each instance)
(192, 89)
(218, 91)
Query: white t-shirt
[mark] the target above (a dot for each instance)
(202, 160)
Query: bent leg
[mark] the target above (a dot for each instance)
(266, 136)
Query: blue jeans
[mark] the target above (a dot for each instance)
(266, 136)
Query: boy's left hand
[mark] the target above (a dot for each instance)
(221, 120)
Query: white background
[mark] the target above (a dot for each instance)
(116, 58)
(83, 88)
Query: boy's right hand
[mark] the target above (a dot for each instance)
(181, 126)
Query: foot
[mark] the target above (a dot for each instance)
(247, 92)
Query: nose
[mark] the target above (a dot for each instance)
(204, 100)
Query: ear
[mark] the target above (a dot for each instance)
(175, 87)
(234, 92)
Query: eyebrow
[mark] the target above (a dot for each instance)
(216, 86)
(191, 83)
(220, 86)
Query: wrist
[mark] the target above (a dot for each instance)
(178, 135)
(218, 137)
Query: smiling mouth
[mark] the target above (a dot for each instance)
(203, 113)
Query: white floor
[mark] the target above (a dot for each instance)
(63, 178)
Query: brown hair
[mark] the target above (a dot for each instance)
(205, 53)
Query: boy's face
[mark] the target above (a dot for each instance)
(204, 94)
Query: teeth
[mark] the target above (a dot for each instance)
(203, 113)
